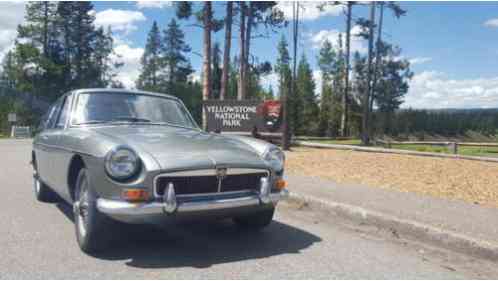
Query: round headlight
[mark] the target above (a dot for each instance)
(122, 163)
(276, 158)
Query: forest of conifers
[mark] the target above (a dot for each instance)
(59, 48)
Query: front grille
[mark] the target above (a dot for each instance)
(188, 185)
(241, 182)
(185, 185)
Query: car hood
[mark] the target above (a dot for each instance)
(178, 148)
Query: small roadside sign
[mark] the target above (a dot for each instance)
(12, 117)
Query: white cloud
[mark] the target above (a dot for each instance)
(491, 23)
(309, 10)
(419, 60)
(431, 89)
(270, 80)
(11, 15)
(130, 57)
(195, 77)
(317, 76)
(119, 20)
(357, 43)
(154, 4)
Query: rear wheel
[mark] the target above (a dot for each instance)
(91, 225)
(256, 220)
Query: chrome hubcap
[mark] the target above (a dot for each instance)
(37, 186)
(81, 208)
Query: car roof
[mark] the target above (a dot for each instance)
(123, 91)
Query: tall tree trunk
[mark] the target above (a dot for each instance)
(365, 139)
(345, 97)
(45, 29)
(226, 52)
(154, 71)
(242, 45)
(247, 52)
(171, 78)
(294, 67)
(206, 82)
(377, 55)
(285, 94)
(67, 58)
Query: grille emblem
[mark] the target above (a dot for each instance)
(221, 173)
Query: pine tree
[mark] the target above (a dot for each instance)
(58, 49)
(226, 51)
(38, 51)
(252, 14)
(64, 22)
(392, 84)
(102, 65)
(8, 76)
(232, 79)
(82, 37)
(217, 71)
(40, 24)
(307, 109)
(283, 70)
(327, 62)
(149, 79)
(174, 50)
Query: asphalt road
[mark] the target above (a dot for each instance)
(37, 241)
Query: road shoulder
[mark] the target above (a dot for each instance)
(456, 225)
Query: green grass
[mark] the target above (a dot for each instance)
(348, 142)
(462, 150)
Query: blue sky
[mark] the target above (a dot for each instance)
(453, 46)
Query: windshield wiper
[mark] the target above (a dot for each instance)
(89, 122)
(131, 119)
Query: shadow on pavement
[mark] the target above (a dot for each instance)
(200, 244)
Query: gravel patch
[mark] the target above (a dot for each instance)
(471, 181)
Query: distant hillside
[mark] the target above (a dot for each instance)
(448, 122)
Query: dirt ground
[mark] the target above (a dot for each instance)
(472, 181)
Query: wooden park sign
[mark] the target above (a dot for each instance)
(243, 116)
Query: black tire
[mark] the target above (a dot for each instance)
(92, 229)
(257, 220)
(43, 193)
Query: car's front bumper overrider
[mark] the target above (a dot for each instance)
(178, 206)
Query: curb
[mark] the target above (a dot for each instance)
(393, 151)
(422, 232)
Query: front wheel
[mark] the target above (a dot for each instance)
(90, 224)
(256, 220)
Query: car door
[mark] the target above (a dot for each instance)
(45, 144)
(62, 154)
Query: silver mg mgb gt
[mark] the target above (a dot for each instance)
(139, 157)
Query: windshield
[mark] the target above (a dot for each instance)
(95, 108)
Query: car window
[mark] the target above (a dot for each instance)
(53, 114)
(114, 107)
(64, 113)
(44, 120)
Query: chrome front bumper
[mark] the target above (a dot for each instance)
(123, 208)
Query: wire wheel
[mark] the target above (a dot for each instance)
(83, 207)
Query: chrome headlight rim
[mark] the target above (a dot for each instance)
(123, 177)
(275, 157)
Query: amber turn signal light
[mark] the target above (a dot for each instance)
(280, 184)
(135, 195)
